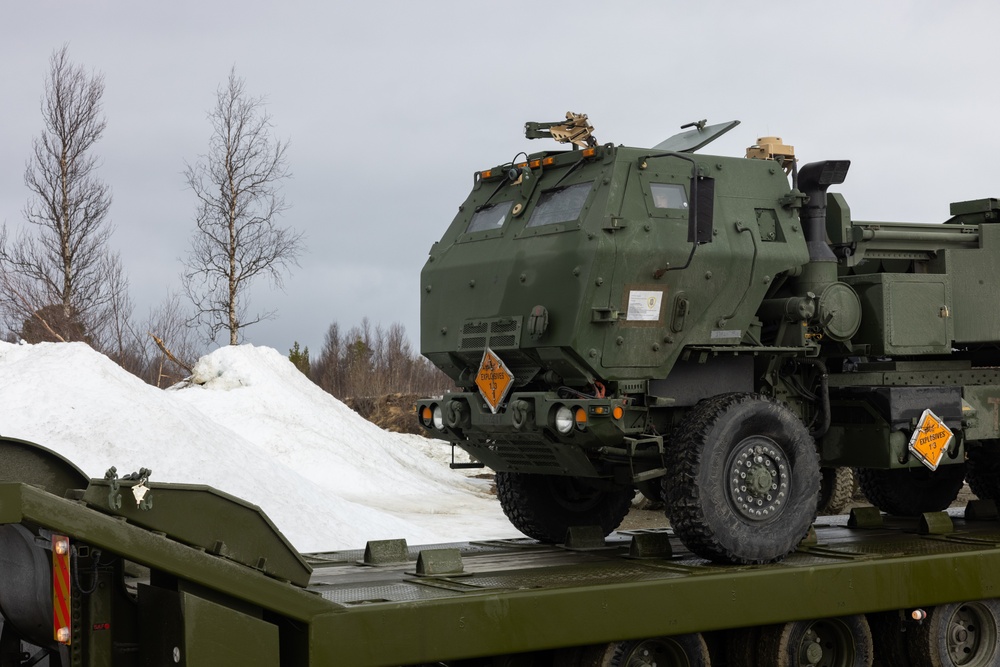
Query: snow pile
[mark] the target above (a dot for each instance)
(252, 425)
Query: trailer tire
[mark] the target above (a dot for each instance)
(674, 651)
(960, 633)
(543, 507)
(983, 470)
(839, 642)
(889, 633)
(741, 646)
(760, 517)
(836, 488)
(912, 491)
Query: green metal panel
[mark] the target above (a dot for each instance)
(184, 629)
(20, 503)
(229, 527)
(975, 275)
(904, 313)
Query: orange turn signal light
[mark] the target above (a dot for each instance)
(618, 412)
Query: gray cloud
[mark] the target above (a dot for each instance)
(391, 106)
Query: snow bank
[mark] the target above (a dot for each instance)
(249, 423)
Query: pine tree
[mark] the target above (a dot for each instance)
(300, 358)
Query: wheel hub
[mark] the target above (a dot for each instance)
(963, 636)
(759, 478)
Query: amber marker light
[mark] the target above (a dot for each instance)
(581, 418)
(425, 416)
(618, 412)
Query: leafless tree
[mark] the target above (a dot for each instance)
(237, 238)
(170, 346)
(370, 361)
(59, 273)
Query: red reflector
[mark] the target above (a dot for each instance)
(61, 592)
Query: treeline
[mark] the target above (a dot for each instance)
(369, 361)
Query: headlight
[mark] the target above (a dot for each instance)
(564, 419)
(438, 418)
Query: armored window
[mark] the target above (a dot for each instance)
(668, 195)
(491, 216)
(560, 205)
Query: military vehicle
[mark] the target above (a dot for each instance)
(123, 571)
(716, 329)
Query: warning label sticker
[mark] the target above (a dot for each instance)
(494, 379)
(930, 439)
(644, 305)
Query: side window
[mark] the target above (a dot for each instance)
(668, 195)
(560, 205)
(491, 216)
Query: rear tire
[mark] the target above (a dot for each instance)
(741, 646)
(826, 642)
(742, 480)
(543, 507)
(963, 633)
(983, 470)
(912, 491)
(676, 651)
(836, 488)
(890, 635)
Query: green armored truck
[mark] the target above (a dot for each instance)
(716, 330)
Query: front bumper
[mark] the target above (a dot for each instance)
(530, 432)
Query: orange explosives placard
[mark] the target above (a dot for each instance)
(930, 440)
(494, 379)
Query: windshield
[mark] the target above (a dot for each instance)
(491, 216)
(560, 205)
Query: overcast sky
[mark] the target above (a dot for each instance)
(391, 106)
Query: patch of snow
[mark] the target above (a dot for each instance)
(250, 424)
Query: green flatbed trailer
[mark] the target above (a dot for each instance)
(128, 572)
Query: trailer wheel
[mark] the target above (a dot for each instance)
(676, 651)
(836, 488)
(889, 634)
(912, 491)
(962, 633)
(742, 480)
(741, 646)
(543, 507)
(983, 470)
(827, 642)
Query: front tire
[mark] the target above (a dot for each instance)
(742, 480)
(543, 507)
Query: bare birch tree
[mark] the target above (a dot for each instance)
(237, 238)
(58, 276)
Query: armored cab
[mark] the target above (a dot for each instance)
(715, 330)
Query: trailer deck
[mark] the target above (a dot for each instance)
(398, 604)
